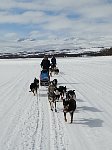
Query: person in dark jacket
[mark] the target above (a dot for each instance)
(45, 64)
(53, 61)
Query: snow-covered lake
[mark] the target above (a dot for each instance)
(26, 121)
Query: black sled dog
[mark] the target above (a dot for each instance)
(70, 94)
(69, 106)
(34, 86)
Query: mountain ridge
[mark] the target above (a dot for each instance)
(77, 52)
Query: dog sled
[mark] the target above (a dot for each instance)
(44, 78)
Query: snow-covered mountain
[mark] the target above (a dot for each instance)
(71, 44)
(94, 51)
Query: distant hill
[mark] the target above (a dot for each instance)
(78, 52)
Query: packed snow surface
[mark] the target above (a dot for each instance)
(26, 121)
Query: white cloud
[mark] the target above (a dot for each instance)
(24, 18)
(58, 23)
(11, 36)
(48, 20)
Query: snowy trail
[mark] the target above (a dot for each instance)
(51, 127)
(95, 107)
(26, 121)
(58, 135)
(43, 130)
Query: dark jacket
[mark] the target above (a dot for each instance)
(45, 64)
(53, 60)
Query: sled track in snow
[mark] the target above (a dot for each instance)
(50, 128)
(22, 123)
(40, 139)
(79, 141)
(58, 135)
(34, 136)
(100, 104)
(98, 111)
(27, 123)
(9, 88)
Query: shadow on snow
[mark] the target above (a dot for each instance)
(90, 122)
(92, 109)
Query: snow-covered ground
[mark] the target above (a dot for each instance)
(26, 121)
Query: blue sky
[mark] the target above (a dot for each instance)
(50, 22)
